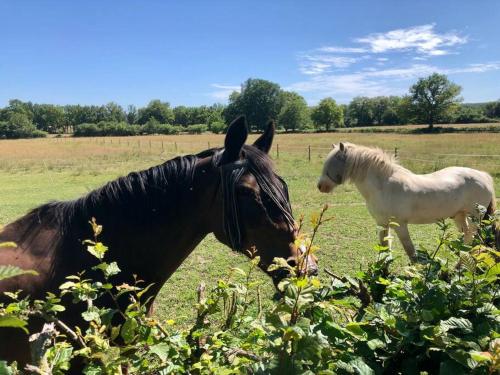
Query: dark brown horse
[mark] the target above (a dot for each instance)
(152, 221)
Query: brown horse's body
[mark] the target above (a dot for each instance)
(152, 221)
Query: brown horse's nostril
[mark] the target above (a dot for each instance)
(292, 262)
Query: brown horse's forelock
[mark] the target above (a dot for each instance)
(271, 185)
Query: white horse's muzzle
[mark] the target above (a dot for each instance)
(325, 184)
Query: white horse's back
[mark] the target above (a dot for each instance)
(426, 198)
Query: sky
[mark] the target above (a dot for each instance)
(198, 52)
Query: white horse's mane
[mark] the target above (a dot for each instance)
(360, 159)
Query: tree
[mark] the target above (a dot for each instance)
(181, 115)
(492, 109)
(434, 98)
(328, 114)
(48, 117)
(294, 114)
(361, 111)
(114, 113)
(132, 115)
(260, 101)
(157, 109)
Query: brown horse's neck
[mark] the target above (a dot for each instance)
(151, 220)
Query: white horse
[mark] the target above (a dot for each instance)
(394, 193)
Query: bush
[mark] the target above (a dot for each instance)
(438, 316)
(103, 129)
(196, 129)
(218, 127)
(18, 125)
(154, 127)
(467, 115)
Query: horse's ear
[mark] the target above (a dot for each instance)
(333, 146)
(236, 136)
(265, 141)
(342, 147)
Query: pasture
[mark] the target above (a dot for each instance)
(33, 172)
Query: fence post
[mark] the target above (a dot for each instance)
(277, 151)
(175, 146)
(395, 152)
(309, 152)
(162, 147)
(150, 144)
(208, 144)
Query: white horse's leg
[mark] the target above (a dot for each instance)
(462, 224)
(404, 237)
(466, 226)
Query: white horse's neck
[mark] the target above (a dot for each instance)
(367, 168)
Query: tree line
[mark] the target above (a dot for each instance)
(431, 100)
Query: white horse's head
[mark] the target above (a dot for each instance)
(334, 169)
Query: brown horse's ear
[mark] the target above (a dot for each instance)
(236, 136)
(265, 141)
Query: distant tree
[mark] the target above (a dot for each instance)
(49, 118)
(114, 112)
(327, 114)
(234, 109)
(157, 109)
(492, 109)
(379, 105)
(19, 125)
(361, 111)
(20, 107)
(132, 115)
(260, 101)
(294, 114)
(181, 115)
(434, 98)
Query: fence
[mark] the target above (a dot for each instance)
(166, 149)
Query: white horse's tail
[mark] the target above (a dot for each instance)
(492, 207)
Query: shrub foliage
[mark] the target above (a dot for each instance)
(439, 316)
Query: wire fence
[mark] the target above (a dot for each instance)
(166, 149)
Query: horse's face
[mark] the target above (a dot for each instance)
(333, 170)
(261, 219)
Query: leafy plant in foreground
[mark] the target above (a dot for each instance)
(439, 316)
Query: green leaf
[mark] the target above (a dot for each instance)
(5, 369)
(8, 244)
(456, 323)
(480, 356)
(161, 350)
(128, 330)
(11, 271)
(361, 367)
(98, 250)
(13, 322)
(355, 329)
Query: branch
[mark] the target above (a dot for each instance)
(62, 326)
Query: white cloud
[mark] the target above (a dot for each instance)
(334, 49)
(319, 64)
(343, 72)
(223, 91)
(422, 39)
(373, 82)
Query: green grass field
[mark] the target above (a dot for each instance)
(33, 172)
